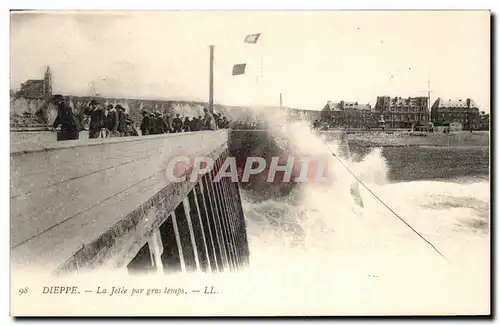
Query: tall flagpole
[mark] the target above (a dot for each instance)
(211, 81)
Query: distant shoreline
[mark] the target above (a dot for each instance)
(417, 145)
(463, 139)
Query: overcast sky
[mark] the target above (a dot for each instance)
(310, 57)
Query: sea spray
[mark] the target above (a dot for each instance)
(365, 260)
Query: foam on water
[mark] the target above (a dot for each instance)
(319, 243)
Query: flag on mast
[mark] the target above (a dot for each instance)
(252, 39)
(239, 69)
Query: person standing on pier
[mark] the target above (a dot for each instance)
(97, 117)
(177, 123)
(225, 122)
(186, 126)
(196, 124)
(70, 126)
(145, 123)
(159, 125)
(112, 122)
(121, 120)
(199, 123)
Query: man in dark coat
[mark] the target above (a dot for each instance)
(217, 119)
(177, 123)
(70, 126)
(199, 123)
(225, 122)
(152, 124)
(160, 124)
(122, 126)
(97, 117)
(194, 124)
(112, 122)
(186, 126)
(145, 123)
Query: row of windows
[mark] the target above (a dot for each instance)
(410, 117)
(457, 111)
(457, 114)
(388, 117)
(407, 109)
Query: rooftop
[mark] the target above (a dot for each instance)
(357, 106)
(453, 103)
(30, 82)
(332, 106)
(336, 106)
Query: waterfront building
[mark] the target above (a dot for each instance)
(399, 112)
(464, 111)
(349, 114)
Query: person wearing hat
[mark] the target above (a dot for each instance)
(122, 126)
(157, 124)
(145, 123)
(153, 124)
(161, 125)
(97, 117)
(70, 126)
(195, 124)
(112, 122)
(186, 124)
(177, 123)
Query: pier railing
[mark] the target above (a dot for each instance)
(106, 203)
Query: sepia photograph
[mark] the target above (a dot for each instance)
(250, 163)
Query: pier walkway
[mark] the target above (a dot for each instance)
(106, 203)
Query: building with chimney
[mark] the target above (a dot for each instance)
(399, 112)
(464, 111)
(36, 88)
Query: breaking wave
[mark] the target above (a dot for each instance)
(357, 260)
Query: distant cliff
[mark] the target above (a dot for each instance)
(35, 112)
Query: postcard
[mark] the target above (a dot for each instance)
(250, 163)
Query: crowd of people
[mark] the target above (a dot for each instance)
(156, 123)
(114, 121)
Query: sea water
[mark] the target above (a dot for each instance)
(321, 252)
